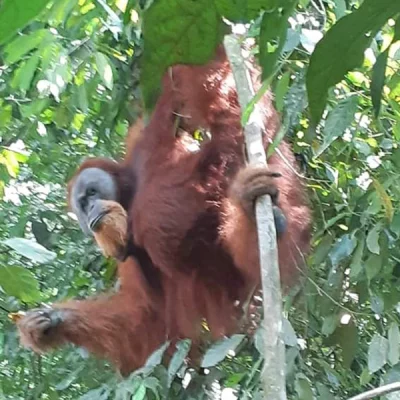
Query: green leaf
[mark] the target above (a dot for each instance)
(24, 74)
(342, 249)
(15, 14)
(394, 343)
(182, 350)
(338, 120)
(378, 80)
(377, 353)
(24, 44)
(373, 239)
(356, 262)
(288, 333)
(220, 350)
(303, 388)
(189, 33)
(155, 358)
(373, 265)
(140, 393)
(347, 338)
(342, 49)
(329, 325)
(281, 90)
(104, 69)
(273, 32)
(244, 10)
(30, 249)
(20, 283)
(385, 199)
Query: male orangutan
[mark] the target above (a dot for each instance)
(181, 222)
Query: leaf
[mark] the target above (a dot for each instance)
(377, 353)
(303, 388)
(378, 80)
(220, 350)
(243, 10)
(281, 90)
(30, 249)
(385, 199)
(329, 325)
(342, 249)
(182, 350)
(24, 74)
(15, 14)
(339, 119)
(22, 45)
(373, 239)
(189, 34)
(321, 252)
(273, 32)
(104, 69)
(288, 333)
(20, 283)
(140, 393)
(394, 343)
(342, 49)
(347, 338)
(356, 261)
(373, 266)
(156, 357)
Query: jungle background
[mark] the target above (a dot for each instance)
(75, 73)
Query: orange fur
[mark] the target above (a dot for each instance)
(196, 248)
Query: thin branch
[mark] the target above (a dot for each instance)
(273, 374)
(380, 391)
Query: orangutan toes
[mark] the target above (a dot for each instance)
(253, 182)
(38, 326)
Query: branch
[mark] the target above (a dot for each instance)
(380, 391)
(273, 374)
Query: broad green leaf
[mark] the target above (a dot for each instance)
(30, 249)
(385, 199)
(346, 336)
(5, 115)
(378, 80)
(321, 252)
(140, 393)
(20, 283)
(244, 10)
(24, 44)
(342, 249)
(288, 333)
(24, 74)
(15, 14)
(273, 32)
(356, 264)
(394, 343)
(156, 357)
(104, 69)
(373, 265)
(338, 120)
(281, 90)
(182, 350)
(377, 353)
(189, 34)
(10, 161)
(342, 49)
(303, 388)
(373, 239)
(220, 350)
(329, 325)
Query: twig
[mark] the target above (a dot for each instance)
(273, 374)
(380, 391)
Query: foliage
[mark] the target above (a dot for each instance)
(69, 87)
